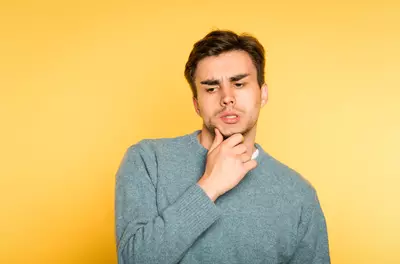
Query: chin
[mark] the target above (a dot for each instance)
(228, 130)
(231, 131)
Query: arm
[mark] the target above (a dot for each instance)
(313, 245)
(145, 235)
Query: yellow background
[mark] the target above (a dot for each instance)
(82, 80)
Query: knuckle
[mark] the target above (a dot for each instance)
(245, 158)
(240, 137)
(243, 147)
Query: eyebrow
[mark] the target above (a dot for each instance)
(234, 78)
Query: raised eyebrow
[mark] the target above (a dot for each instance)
(238, 77)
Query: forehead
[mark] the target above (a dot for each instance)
(225, 65)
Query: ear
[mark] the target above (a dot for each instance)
(196, 105)
(264, 94)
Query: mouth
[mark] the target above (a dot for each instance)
(230, 118)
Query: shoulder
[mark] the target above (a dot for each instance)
(150, 147)
(144, 156)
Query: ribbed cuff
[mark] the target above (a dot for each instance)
(195, 213)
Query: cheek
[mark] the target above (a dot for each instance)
(204, 111)
(208, 107)
(248, 102)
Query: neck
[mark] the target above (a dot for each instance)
(206, 138)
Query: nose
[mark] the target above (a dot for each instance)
(227, 97)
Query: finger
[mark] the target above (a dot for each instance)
(239, 149)
(234, 140)
(217, 140)
(249, 165)
(245, 157)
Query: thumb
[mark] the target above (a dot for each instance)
(217, 140)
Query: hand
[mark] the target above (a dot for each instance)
(227, 164)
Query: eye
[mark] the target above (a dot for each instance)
(239, 85)
(211, 89)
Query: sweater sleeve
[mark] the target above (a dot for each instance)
(313, 245)
(145, 235)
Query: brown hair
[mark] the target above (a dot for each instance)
(220, 41)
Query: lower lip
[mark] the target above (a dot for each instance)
(230, 120)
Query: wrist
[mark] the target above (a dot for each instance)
(208, 189)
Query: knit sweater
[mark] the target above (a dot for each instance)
(162, 215)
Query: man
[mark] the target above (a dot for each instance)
(214, 195)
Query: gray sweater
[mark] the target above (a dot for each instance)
(162, 216)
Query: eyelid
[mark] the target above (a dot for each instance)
(209, 88)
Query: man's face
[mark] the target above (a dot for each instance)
(228, 94)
